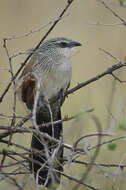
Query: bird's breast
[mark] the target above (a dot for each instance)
(55, 79)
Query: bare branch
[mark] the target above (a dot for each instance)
(108, 71)
(113, 12)
(35, 29)
(77, 181)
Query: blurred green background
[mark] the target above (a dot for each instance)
(106, 96)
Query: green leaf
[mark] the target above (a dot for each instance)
(5, 150)
(122, 125)
(112, 146)
(10, 148)
(53, 186)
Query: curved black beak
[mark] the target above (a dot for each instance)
(74, 43)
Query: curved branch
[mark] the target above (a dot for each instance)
(109, 71)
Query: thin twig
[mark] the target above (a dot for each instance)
(77, 181)
(113, 12)
(14, 103)
(35, 29)
(96, 163)
(99, 129)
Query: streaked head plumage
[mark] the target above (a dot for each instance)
(60, 42)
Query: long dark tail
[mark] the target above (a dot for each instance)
(40, 166)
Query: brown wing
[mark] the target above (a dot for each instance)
(27, 92)
(26, 88)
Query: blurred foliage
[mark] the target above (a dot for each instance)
(121, 2)
(122, 125)
(112, 146)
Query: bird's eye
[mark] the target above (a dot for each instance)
(63, 44)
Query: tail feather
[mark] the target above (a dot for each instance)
(42, 171)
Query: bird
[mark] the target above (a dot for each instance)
(50, 66)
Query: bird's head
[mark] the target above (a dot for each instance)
(60, 45)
